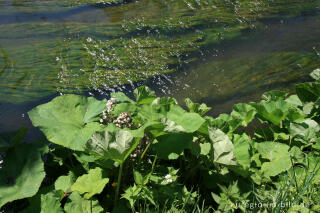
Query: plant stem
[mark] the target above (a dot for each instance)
(90, 206)
(154, 163)
(118, 185)
(144, 152)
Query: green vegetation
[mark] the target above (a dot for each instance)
(151, 155)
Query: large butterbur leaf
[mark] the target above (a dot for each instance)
(64, 183)
(50, 203)
(170, 126)
(190, 121)
(306, 131)
(278, 156)
(242, 151)
(68, 120)
(222, 146)
(170, 146)
(116, 145)
(308, 92)
(244, 113)
(121, 97)
(90, 184)
(77, 204)
(273, 111)
(10, 139)
(242, 146)
(22, 173)
(156, 110)
(294, 100)
(35, 201)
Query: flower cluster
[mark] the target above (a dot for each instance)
(106, 113)
(123, 120)
(110, 104)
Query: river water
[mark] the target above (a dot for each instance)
(216, 52)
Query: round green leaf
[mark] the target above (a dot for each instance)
(90, 184)
(22, 173)
(68, 120)
(77, 204)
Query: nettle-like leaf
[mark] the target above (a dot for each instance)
(77, 204)
(22, 173)
(116, 145)
(90, 184)
(273, 111)
(132, 194)
(222, 147)
(144, 95)
(229, 198)
(50, 203)
(244, 113)
(137, 192)
(201, 109)
(278, 156)
(68, 120)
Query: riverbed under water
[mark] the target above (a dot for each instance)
(42, 52)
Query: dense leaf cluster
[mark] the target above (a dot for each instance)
(165, 158)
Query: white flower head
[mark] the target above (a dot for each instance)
(89, 39)
(113, 100)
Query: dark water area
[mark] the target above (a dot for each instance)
(216, 52)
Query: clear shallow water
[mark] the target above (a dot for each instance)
(238, 54)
